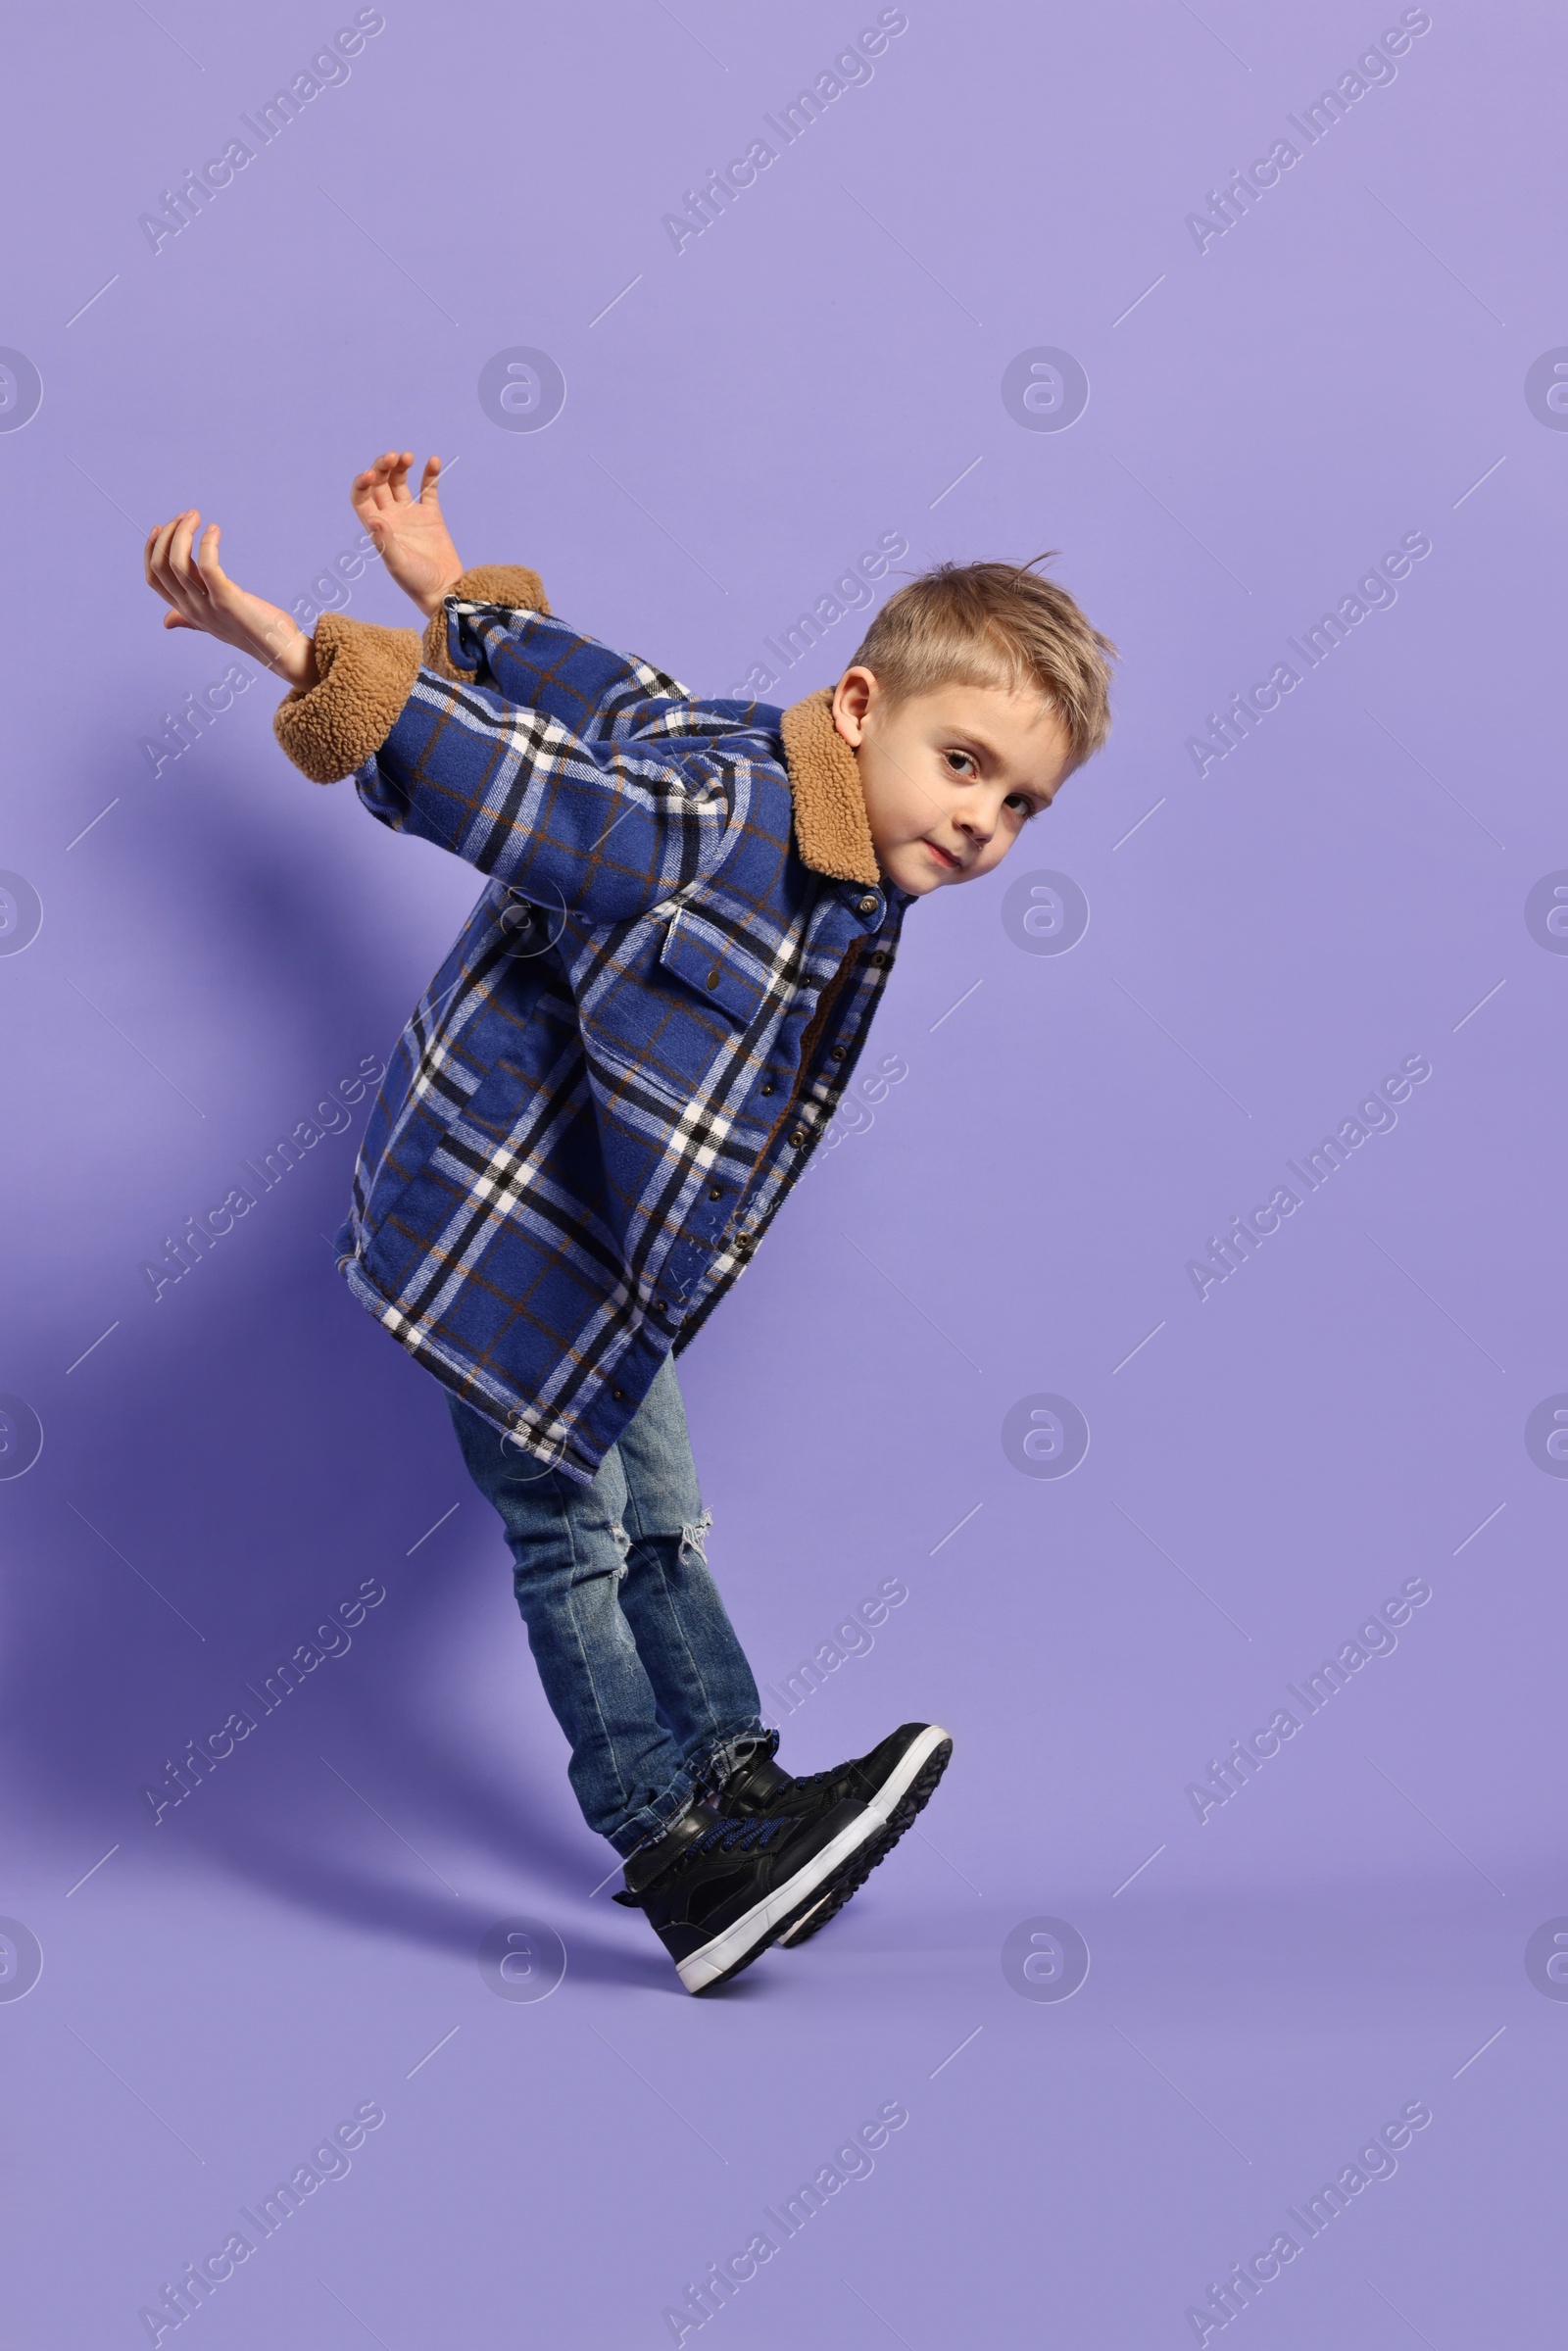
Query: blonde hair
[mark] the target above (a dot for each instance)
(995, 625)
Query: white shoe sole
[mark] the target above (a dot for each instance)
(887, 1798)
(757, 1928)
(897, 1783)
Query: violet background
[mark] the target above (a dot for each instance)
(1345, 366)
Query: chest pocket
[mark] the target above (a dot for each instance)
(707, 961)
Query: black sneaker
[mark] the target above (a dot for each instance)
(895, 1783)
(718, 1891)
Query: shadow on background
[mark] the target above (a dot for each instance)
(236, 1459)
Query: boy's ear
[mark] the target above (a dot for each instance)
(852, 697)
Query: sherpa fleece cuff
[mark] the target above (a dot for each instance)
(366, 675)
(509, 584)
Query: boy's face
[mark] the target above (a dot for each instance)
(950, 777)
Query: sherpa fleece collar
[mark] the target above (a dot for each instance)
(831, 828)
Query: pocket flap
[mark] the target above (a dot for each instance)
(700, 956)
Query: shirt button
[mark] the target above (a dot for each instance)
(797, 1137)
(716, 1192)
(868, 905)
(712, 980)
(768, 1089)
(877, 959)
(838, 1052)
(619, 1394)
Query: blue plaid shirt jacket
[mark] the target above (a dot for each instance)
(646, 1024)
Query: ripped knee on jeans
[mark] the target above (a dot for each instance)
(622, 1542)
(691, 1539)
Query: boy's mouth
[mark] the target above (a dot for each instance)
(945, 858)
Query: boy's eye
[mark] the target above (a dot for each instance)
(960, 762)
(1026, 807)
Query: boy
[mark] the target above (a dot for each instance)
(616, 1077)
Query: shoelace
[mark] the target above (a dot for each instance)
(728, 1836)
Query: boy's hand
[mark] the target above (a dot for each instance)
(410, 533)
(205, 597)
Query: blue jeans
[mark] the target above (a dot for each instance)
(639, 1661)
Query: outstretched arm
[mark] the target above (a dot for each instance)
(411, 533)
(203, 597)
(607, 825)
(567, 775)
